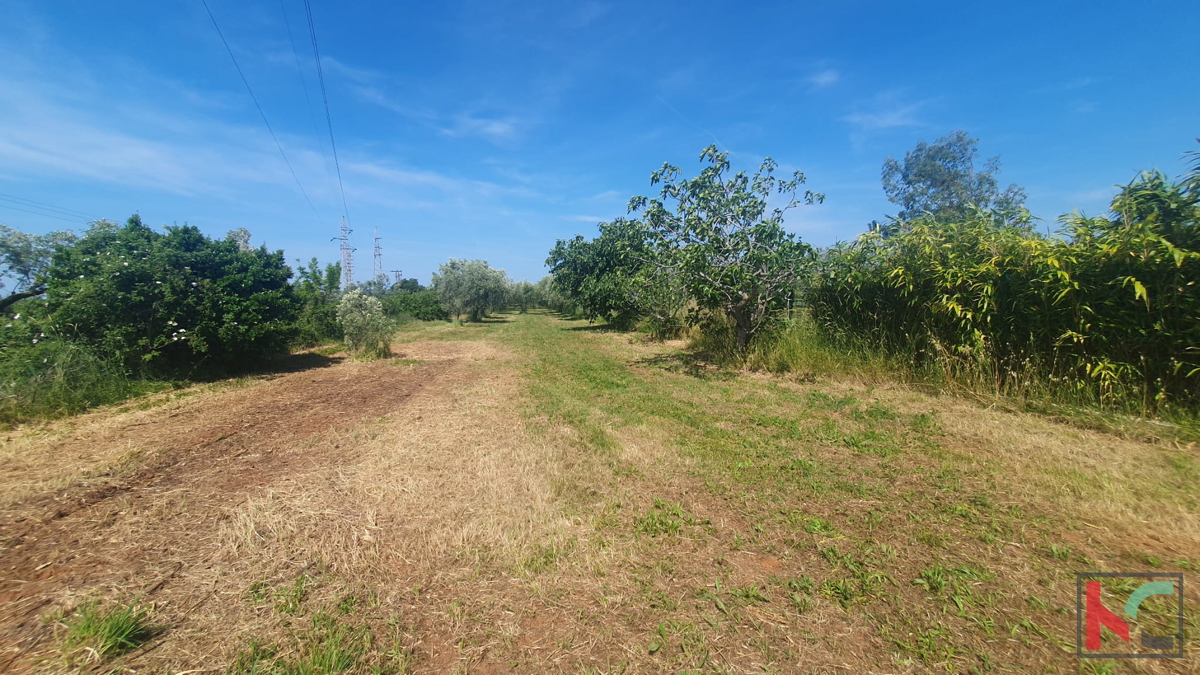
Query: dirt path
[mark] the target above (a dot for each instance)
(139, 528)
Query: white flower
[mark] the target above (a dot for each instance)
(158, 282)
(80, 276)
(174, 339)
(182, 330)
(125, 264)
(35, 341)
(193, 283)
(16, 317)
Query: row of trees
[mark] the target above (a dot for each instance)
(178, 301)
(1107, 307)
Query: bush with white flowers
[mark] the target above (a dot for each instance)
(367, 330)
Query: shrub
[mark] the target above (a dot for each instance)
(317, 291)
(367, 331)
(177, 302)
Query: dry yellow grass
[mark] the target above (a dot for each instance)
(471, 526)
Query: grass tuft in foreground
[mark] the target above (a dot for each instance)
(95, 635)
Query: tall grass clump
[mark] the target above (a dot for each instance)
(366, 329)
(797, 345)
(43, 375)
(1105, 313)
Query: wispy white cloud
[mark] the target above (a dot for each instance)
(824, 78)
(461, 125)
(887, 117)
(425, 179)
(493, 129)
(188, 155)
(588, 13)
(585, 219)
(364, 76)
(606, 196)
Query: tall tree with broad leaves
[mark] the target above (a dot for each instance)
(734, 255)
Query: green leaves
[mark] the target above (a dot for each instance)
(737, 262)
(176, 302)
(1109, 307)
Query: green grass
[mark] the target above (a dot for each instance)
(784, 457)
(95, 634)
(54, 379)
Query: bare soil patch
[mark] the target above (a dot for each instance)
(143, 489)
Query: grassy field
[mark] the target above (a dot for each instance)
(531, 494)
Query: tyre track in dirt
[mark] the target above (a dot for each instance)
(195, 461)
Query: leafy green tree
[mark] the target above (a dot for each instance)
(940, 179)
(408, 286)
(470, 287)
(367, 331)
(174, 302)
(601, 274)
(318, 290)
(24, 259)
(242, 237)
(730, 250)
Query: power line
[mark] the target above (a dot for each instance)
(52, 207)
(44, 215)
(36, 204)
(312, 34)
(260, 110)
(303, 82)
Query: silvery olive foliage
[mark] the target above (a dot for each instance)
(367, 331)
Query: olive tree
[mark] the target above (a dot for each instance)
(24, 259)
(728, 247)
(470, 287)
(366, 329)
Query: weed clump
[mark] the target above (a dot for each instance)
(96, 635)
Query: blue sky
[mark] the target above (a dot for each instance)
(490, 129)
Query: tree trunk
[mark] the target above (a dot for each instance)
(741, 320)
(16, 297)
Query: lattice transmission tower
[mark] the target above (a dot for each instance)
(377, 270)
(396, 276)
(347, 256)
